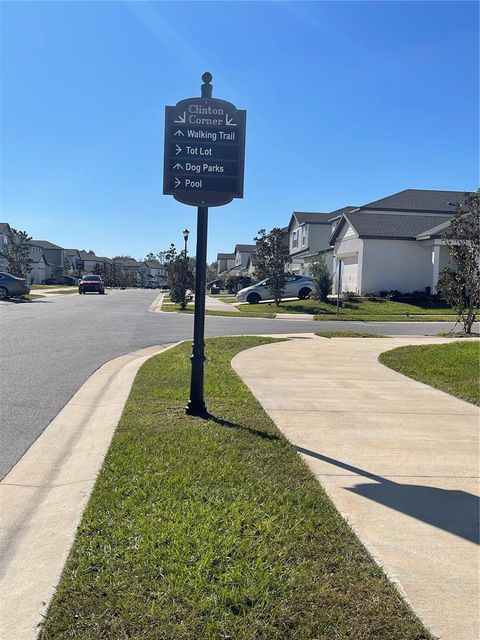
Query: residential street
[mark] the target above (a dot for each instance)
(50, 347)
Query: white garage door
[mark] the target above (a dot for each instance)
(350, 274)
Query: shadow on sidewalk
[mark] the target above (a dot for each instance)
(451, 510)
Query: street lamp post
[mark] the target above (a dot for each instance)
(185, 237)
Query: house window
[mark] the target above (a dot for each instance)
(304, 236)
(295, 239)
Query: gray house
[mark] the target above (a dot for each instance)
(309, 235)
(53, 254)
(395, 242)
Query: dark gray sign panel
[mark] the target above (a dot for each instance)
(204, 152)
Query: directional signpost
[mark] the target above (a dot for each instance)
(203, 167)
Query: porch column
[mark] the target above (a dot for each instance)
(435, 266)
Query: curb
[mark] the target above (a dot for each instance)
(45, 494)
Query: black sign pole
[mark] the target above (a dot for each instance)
(196, 405)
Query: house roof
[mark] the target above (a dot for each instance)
(339, 212)
(127, 262)
(72, 252)
(385, 225)
(435, 232)
(225, 256)
(248, 248)
(45, 244)
(153, 264)
(318, 217)
(91, 256)
(418, 200)
(4, 227)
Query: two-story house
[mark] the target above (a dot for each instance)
(309, 235)
(53, 254)
(154, 270)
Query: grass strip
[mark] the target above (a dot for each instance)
(203, 529)
(453, 367)
(348, 334)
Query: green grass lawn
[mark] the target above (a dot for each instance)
(215, 528)
(348, 334)
(453, 367)
(363, 311)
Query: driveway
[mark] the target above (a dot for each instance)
(398, 458)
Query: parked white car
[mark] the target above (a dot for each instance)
(296, 287)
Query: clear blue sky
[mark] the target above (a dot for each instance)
(346, 102)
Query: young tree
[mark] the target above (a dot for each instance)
(232, 282)
(180, 276)
(66, 267)
(17, 253)
(321, 277)
(461, 288)
(270, 258)
(212, 269)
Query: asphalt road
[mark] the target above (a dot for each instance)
(48, 348)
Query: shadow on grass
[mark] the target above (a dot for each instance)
(449, 509)
(233, 425)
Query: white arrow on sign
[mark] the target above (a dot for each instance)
(178, 166)
(178, 133)
(229, 121)
(178, 149)
(181, 119)
(177, 182)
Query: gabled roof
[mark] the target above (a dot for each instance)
(84, 255)
(385, 225)
(72, 252)
(92, 257)
(4, 227)
(225, 256)
(418, 200)
(45, 244)
(317, 217)
(247, 248)
(127, 262)
(339, 212)
(153, 264)
(435, 232)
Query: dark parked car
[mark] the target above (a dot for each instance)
(91, 283)
(70, 280)
(12, 286)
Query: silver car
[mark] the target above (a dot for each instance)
(295, 287)
(12, 286)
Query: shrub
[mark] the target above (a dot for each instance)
(350, 295)
(372, 295)
(394, 294)
(322, 279)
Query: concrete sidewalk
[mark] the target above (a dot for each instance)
(397, 457)
(44, 495)
(214, 304)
